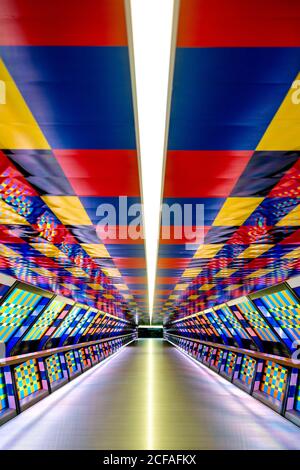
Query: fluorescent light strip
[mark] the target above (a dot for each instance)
(152, 22)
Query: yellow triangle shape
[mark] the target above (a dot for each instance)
(283, 132)
(18, 128)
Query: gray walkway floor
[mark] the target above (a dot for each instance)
(149, 396)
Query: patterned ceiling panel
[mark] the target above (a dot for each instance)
(68, 152)
(233, 149)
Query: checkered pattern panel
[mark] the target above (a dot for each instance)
(247, 370)
(27, 378)
(3, 396)
(210, 354)
(83, 357)
(256, 321)
(71, 362)
(14, 310)
(92, 354)
(54, 368)
(274, 380)
(45, 320)
(230, 363)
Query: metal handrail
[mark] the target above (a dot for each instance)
(48, 352)
(287, 362)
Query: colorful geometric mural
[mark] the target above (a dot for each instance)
(230, 363)
(71, 362)
(274, 380)
(282, 309)
(45, 320)
(3, 396)
(14, 310)
(27, 378)
(54, 368)
(68, 151)
(256, 321)
(247, 370)
(233, 148)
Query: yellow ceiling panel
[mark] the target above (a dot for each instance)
(284, 130)
(95, 286)
(70, 286)
(44, 272)
(95, 250)
(292, 218)
(181, 286)
(206, 287)
(49, 250)
(259, 273)
(8, 216)
(294, 254)
(68, 209)
(7, 252)
(225, 272)
(77, 272)
(236, 210)
(111, 272)
(255, 250)
(233, 287)
(191, 272)
(18, 128)
(208, 251)
(121, 286)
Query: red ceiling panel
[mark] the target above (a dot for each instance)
(80, 23)
(236, 23)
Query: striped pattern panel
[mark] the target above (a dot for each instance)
(67, 322)
(14, 310)
(81, 324)
(233, 321)
(45, 320)
(27, 378)
(256, 321)
(274, 380)
(71, 362)
(3, 396)
(219, 325)
(247, 370)
(54, 368)
(286, 311)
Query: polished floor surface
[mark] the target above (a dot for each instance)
(149, 396)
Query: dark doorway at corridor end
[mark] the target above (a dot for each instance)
(149, 331)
